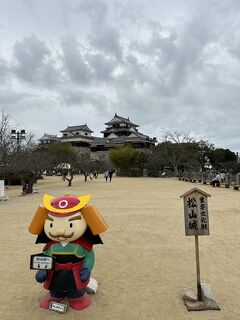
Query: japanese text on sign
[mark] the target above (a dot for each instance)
(40, 262)
(196, 214)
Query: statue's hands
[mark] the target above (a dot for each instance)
(85, 274)
(41, 275)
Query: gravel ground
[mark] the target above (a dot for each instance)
(146, 258)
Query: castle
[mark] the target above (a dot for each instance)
(119, 131)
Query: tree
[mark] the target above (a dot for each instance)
(223, 159)
(69, 161)
(65, 160)
(180, 151)
(236, 168)
(179, 156)
(12, 152)
(128, 159)
(174, 146)
(6, 145)
(205, 149)
(26, 162)
(156, 161)
(29, 164)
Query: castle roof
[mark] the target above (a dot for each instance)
(117, 120)
(82, 127)
(47, 136)
(119, 140)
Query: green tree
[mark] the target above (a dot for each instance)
(128, 159)
(156, 160)
(204, 150)
(122, 157)
(236, 168)
(223, 159)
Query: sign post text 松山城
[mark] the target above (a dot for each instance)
(197, 224)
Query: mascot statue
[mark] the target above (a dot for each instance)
(69, 227)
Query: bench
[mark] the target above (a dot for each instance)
(235, 186)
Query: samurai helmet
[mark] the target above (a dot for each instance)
(65, 205)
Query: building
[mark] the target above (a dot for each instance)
(78, 136)
(48, 138)
(118, 127)
(119, 131)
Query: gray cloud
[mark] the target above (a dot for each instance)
(102, 66)
(11, 98)
(33, 62)
(168, 65)
(4, 69)
(74, 61)
(30, 55)
(96, 10)
(106, 39)
(104, 36)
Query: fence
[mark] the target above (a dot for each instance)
(227, 180)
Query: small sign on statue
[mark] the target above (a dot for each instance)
(58, 307)
(41, 261)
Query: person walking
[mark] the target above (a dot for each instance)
(106, 175)
(110, 174)
(95, 174)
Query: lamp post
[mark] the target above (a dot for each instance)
(18, 136)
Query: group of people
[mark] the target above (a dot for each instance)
(90, 174)
(94, 174)
(108, 174)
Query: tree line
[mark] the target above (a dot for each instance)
(24, 161)
(177, 152)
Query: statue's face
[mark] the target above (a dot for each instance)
(65, 229)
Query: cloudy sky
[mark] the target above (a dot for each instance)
(164, 64)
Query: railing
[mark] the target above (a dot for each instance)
(227, 179)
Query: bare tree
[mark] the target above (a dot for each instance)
(176, 136)
(178, 149)
(29, 164)
(5, 141)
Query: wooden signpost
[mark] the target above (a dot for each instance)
(197, 224)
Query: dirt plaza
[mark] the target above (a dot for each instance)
(146, 259)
